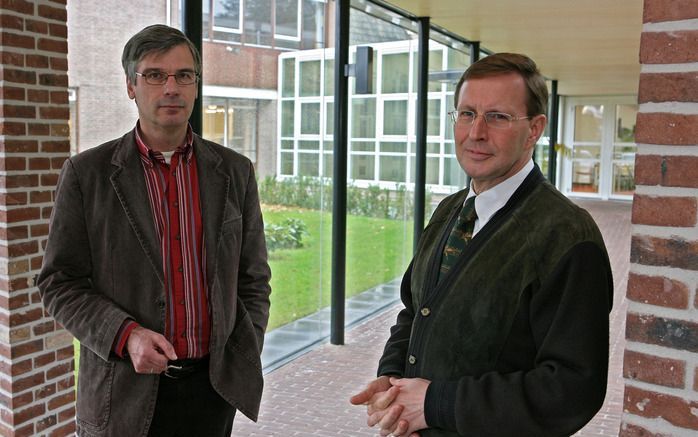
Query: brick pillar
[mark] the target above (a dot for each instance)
(37, 393)
(661, 355)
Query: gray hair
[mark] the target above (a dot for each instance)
(156, 38)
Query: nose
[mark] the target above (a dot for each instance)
(171, 86)
(478, 130)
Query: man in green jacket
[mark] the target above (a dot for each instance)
(505, 326)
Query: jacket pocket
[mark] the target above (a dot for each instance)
(94, 391)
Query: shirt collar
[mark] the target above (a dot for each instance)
(150, 156)
(492, 200)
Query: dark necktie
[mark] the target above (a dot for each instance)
(460, 235)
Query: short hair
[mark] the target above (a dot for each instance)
(156, 38)
(505, 63)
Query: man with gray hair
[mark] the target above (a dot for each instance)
(156, 262)
(504, 330)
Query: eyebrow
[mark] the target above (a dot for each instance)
(183, 70)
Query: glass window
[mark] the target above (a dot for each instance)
(286, 163)
(257, 22)
(288, 74)
(214, 120)
(287, 19)
(393, 168)
(395, 76)
(393, 147)
(308, 164)
(309, 78)
(625, 123)
(588, 123)
(329, 118)
(308, 145)
(226, 15)
(328, 160)
(329, 77)
(310, 122)
(362, 167)
(363, 146)
(287, 118)
(432, 170)
(453, 173)
(395, 117)
(363, 117)
(434, 119)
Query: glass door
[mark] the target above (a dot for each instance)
(598, 157)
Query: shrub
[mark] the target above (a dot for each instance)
(286, 235)
(316, 193)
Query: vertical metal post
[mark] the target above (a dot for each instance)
(192, 28)
(474, 51)
(553, 120)
(421, 133)
(339, 186)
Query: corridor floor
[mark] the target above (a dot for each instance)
(309, 396)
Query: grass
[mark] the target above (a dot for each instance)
(377, 251)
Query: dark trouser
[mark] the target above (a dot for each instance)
(190, 407)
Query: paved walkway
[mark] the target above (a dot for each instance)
(309, 396)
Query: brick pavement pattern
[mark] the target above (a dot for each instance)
(310, 395)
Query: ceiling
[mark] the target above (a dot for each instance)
(590, 46)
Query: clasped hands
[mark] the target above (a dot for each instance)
(396, 405)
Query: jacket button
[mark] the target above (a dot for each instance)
(412, 359)
(425, 311)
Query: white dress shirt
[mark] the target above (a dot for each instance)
(492, 200)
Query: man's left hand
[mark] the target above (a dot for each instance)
(411, 397)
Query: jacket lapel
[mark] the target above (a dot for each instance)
(129, 183)
(214, 184)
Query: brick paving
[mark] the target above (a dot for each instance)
(309, 396)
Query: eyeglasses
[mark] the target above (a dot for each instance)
(496, 120)
(157, 77)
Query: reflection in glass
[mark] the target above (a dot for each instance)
(587, 152)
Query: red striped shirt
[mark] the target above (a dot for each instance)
(173, 190)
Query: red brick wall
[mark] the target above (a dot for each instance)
(36, 357)
(661, 356)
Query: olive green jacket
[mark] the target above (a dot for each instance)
(515, 337)
(103, 264)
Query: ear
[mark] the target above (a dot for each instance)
(130, 89)
(536, 129)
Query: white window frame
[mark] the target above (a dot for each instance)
(225, 28)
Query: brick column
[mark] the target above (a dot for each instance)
(37, 392)
(661, 356)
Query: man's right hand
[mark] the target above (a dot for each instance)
(149, 351)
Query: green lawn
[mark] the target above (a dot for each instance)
(378, 251)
